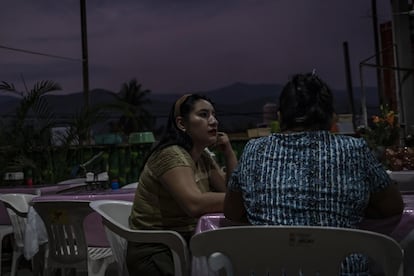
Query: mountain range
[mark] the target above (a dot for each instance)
(238, 106)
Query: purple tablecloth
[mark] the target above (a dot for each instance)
(38, 189)
(399, 227)
(35, 189)
(120, 194)
(94, 231)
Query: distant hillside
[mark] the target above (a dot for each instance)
(239, 105)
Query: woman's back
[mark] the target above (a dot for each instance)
(308, 178)
(307, 175)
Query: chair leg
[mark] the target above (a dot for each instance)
(48, 271)
(97, 267)
(15, 260)
(38, 261)
(2, 236)
(1, 251)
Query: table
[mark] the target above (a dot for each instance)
(38, 189)
(35, 189)
(401, 228)
(35, 234)
(405, 179)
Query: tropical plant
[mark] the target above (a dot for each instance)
(131, 101)
(81, 123)
(28, 132)
(384, 131)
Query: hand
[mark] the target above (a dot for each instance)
(223, 142)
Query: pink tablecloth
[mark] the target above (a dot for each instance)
(95, 234)
(35, 189)
(399, 227)
(38, 189)
(94, 230)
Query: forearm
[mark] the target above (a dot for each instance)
(385, 203)
(209, 202)
(224, 145)
(230, 162)
(234, 207)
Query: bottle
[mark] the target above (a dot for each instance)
(89, 180)
(29, 178)
(29, 181)
(114, 184)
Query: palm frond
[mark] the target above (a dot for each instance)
(46, 86)
(43, 111)
(9, 87)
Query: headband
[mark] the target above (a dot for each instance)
(178, 104)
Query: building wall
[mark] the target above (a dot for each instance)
(387, 60)
(398, 84)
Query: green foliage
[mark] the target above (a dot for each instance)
(29, 131)
(26, 139)
(82, 121)
(131, 102)
(274, 127)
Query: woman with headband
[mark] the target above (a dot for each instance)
(180, 181)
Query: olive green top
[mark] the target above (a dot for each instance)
(154, 207)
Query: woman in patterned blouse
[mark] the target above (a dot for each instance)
(306, 175)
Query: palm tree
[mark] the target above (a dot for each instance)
(28, 133)
(82, 121)
(130, 101)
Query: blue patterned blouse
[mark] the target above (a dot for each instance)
(308, 178)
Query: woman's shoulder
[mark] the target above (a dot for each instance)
(258, 141)
(256, 145)
(357, 141)
(171, 152)
(170, 157)
(319, 135)
(171, 149)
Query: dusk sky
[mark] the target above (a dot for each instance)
(178, 46)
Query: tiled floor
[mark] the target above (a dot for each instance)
(25, 271)
(24, 267)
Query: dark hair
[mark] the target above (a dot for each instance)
(306, 102)
(172, 135)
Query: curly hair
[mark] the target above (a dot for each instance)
(306, 103)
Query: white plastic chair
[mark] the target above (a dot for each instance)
(115, 215)
(130, 185)
(311, 250)
(67, 246)
(17, 206)
(4, 231)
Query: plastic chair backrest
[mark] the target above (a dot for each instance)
(66, 238)
(311, 250)
(17, 206)
(115, 216)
